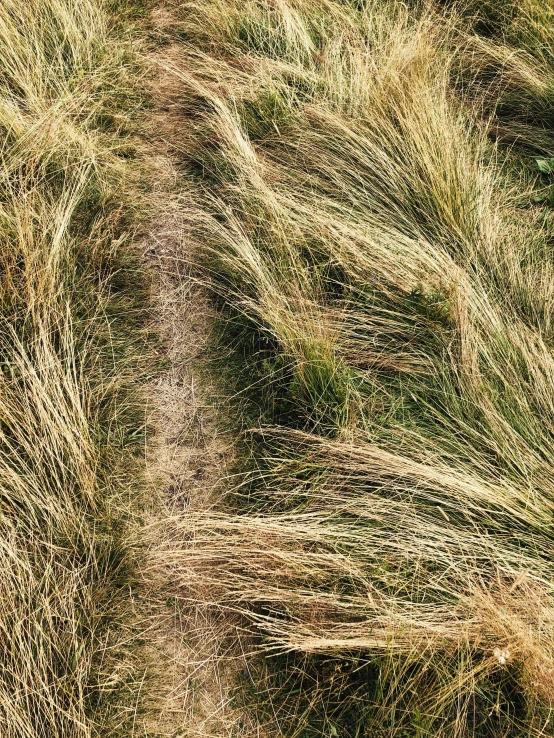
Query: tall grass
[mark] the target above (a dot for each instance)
(68, 423)
(384, 270)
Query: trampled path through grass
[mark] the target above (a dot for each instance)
(194, 655)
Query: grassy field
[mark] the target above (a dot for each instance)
(370, 184)
(373, 190)
(70, 426)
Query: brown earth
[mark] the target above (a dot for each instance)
(195, 652)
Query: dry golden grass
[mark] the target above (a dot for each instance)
(384, 270)
(371, 185)
(68, 425)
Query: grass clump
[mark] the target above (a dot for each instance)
(69, 297)
(390, 269)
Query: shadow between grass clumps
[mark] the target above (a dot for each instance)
(352, 697)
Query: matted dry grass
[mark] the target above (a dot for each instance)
(69, 426)
(383, 265)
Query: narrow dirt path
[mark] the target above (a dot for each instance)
(197, 657)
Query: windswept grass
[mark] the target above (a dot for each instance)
(69, 427)
(384, 267)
